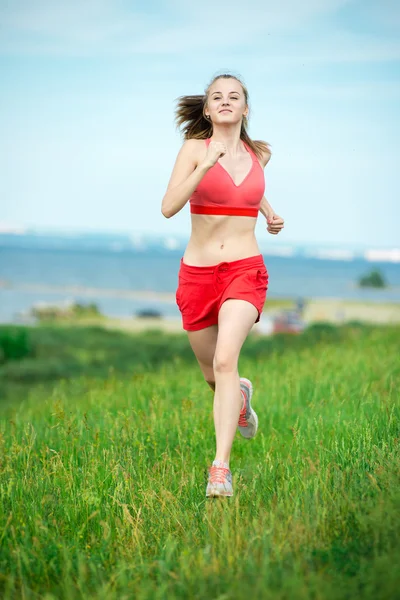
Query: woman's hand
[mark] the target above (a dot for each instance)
(214, 151)
(275, 223)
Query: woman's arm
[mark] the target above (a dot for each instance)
(266, 209)
(275, 222)
(186, 176)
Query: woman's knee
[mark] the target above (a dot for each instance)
(225, 362)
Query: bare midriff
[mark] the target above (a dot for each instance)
(220, 238)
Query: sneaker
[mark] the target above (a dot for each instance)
(219, 480)
(248, 420)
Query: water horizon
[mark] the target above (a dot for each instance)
(124, 283)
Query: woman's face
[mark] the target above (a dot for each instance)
(226, 102)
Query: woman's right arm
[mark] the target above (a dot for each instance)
(186, 176)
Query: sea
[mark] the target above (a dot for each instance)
(125, 281)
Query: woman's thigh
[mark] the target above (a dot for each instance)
(235, 320)
(203, 344)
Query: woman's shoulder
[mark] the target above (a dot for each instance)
(195, 141)
(193, 145)
(196, 148)
(263, 151)
(265, 157)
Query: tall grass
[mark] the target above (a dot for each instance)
(103, 482)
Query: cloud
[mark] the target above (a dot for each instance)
(385, 13)
(70, 28)
(336, 47)
(170, 27)
(74, 21)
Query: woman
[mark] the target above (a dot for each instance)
(222, 279)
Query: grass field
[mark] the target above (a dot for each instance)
(104, 465)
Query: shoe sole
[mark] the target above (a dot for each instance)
(219, 494)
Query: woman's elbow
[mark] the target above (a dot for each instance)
(166, 212)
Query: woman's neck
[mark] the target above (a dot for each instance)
(231, 139)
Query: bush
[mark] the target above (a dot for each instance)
(69, 312)
(373, 279)
(14, 344)
(86, 310)
(323, 331)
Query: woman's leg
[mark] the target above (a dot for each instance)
(235, 320)
(203, 344)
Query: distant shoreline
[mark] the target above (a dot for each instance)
(335, 311)
(165, 297)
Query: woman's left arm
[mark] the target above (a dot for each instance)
(275, 222)
(266, 209)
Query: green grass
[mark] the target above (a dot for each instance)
(32, 355)
(102, 479)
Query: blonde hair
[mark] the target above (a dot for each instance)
(190, 117)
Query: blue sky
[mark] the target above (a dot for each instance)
(87, 97)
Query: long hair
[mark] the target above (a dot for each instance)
(190, 117)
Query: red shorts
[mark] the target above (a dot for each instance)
(202, 290)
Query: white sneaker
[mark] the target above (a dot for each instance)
(219, 480)
(248, 420)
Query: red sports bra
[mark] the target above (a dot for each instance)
(217, 194)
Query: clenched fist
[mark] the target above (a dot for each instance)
(275, 223)
(214, 151)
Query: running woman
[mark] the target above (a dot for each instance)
(222, 278)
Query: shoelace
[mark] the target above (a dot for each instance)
(218, 474)
(242, 417)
